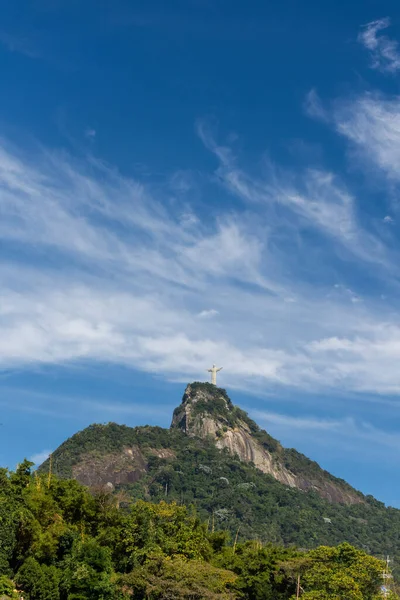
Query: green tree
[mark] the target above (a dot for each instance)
(8, 527)
(22, 476)
(163, 529)
(7, 587)
(165, 578)
(38, 582)
(258, 570)
(88, 572)
(341, 573)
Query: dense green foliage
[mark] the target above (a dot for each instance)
(60, 542)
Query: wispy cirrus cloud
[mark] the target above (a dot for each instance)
(77, 408)
(90, 133)
(303, 423)
(314, 107)
(19, 43)
(346, 434)
(105, 268)
(40, 457)
(311, 198)
(208, 313)
(375, 351)
(371, 122)
(384, 52)
(98, 268)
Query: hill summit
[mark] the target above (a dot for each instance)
(206, 411)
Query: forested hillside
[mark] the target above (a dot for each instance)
(153, 464)
(58, 541)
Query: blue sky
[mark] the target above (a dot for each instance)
(209, 181)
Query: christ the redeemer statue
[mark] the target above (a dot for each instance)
(214, 372)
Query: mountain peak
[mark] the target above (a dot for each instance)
(204, 405)
(206, 411)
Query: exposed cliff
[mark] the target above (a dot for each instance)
(207, 412)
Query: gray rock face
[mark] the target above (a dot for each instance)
(207, 412)
(231, 433)
(239, 441)
(112, 469)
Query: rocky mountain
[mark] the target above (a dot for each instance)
(207, 412)
(215, 458)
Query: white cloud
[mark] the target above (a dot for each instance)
(385, 55)
(361, 360)
(345, 293)
(105, 272)
(314, 198)
(77, 408)
(189, 219)
(302, 423)
(314, 107)
(19, 43)
(90, 132)
(346, 435)
(182, 182)
(208, 314)
(131, 245)
(40, 457)
(388, 219)
(372, 123)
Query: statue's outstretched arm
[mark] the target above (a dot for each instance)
(220, 369)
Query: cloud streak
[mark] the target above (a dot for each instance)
(98, 267)
(312, 199)
(371, 122)
(384, 52)
(40, 457)
(18, 43)
(346, 434)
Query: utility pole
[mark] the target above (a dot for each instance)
(50, 467)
